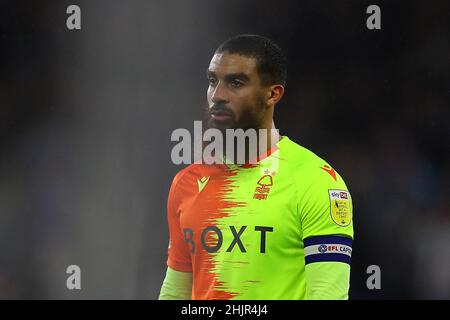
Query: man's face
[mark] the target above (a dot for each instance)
(235, 95)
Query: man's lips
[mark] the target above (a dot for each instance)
(220, 115)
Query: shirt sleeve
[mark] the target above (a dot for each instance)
(179, 257)
(326, 213)
(325, 205)
(327, 281)
(176, 286)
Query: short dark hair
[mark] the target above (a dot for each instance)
(270, 60)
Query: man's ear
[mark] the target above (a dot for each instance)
(275, 93)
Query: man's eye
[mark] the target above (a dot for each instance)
(212, 81)
(236, 83)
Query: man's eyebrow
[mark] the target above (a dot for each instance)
(230, 76)
(239, 75)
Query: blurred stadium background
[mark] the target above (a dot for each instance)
(86, 118)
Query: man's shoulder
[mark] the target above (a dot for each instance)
(298, 156)
(192, 172)
(306, 163)
(186, 171)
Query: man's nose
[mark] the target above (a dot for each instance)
(219, 94)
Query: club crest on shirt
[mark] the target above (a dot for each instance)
(263, 185)
(340, 207)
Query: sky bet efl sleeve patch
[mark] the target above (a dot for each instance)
(340, 207)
